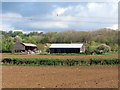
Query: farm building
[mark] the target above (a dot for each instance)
(23, 47)
(67, 48)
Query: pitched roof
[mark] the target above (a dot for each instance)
(29, 44)
(66, 45)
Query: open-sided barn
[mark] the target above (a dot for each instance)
(24, 47)
(67, 48)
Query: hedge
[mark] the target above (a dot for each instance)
(60, 62)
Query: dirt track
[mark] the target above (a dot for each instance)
(58, 56)
(60, 77)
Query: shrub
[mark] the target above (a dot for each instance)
(103, 48)
(61, 62)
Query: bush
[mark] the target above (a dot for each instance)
(103, 48)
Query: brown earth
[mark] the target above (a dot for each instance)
(60, 77)
(58, 56)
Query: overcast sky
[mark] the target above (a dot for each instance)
(58, 16)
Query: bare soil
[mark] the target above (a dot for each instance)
(59, 77)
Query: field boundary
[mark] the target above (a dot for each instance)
(60, 62)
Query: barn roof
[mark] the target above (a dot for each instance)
(66, 45)
(29, 44)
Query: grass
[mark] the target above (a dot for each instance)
(78, 54)
(69, 54)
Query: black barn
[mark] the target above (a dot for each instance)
(67, 48)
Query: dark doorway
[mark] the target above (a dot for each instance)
(64, 50)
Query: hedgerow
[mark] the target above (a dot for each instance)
(60, 62)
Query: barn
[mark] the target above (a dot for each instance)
(22, 47)
(67, 48)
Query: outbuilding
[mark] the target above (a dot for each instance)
(67, 48)
(23, 47)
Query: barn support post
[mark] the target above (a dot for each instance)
(13, 51)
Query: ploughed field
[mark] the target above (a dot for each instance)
(60, 77)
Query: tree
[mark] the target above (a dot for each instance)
(91, 47)
(18, 39)
(44, 40)
(7, 44)
(114, 47)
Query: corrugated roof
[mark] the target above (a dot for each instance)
(66, 45)
(29, 44)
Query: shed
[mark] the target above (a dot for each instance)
(18, 46)
(67, 48)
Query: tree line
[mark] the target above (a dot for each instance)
(90, 38)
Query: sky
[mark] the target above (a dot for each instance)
(58, 16)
